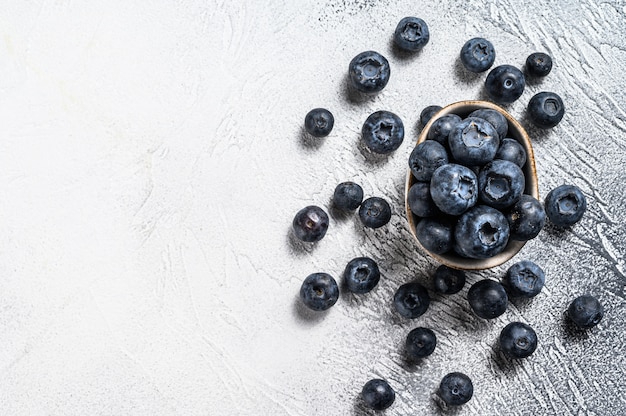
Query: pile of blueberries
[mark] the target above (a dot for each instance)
(467, 196)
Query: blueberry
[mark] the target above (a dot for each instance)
(456, 389)
(441, 128)
(361, 275)
(425, 158)
(513, 151)
(319, 291)
(411, 34)
(375, 212)
(369, 72)
(310, 224)
(420, 201)
(565, 205)
(435, 234)
(378, 394)
(481, 232)
(585, 311)
(411, 300)
(546, 109)
(454, 188)
(427, 113)
(383, 132)
(524, 279)
(348, 196)
(487, 299)
(477, 55)
(538, 64)
(518, 340)
(526, 218)
(474, 141)
(319, 122)
(420, 343)
(448, 281)
(495, 118)
(505, 84)
(500, 183)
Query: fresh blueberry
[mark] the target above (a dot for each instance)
(310, 224)
(487, 299)
(474, 141)
(481, 232)
(420, 343)
(513, 151)
(518, 340)
(448, 281)
(420, 201)
(348, 196)
(378, 394)
(369, 72)
(454, 188)
(565, 205)
(456, 389)
(538, 64)
(477, 55)
(411, 34)
(375, 212)
(441, 128)
(425, 158)
(546, 109)
(427, 113)
(586, 311)
(435, 234)
(500, 183)
(524, 279)
(361, 275)
(319, 122)
(319, 291)
(383, 132)
(526, 218)
(495, 118)
(505, 84)
(411, 300)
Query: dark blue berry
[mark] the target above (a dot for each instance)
(481, 232)
(448, 281)
(425, 158)
(383, 132)
(427, 113)
(524, 279)
(500, 183)
(513, 151)
(456, 389)
(526, 218)
(586, 311)
(319, 122)
(441, 128)
(565, 205)
(435, 234)
(420, 343)
(375, 212)
(411, 34)
(378, 394)
(477, 55)
(369, 72)
(310, 224)
(518, 340)
(454, 188)
(319, 291)
(505, 84)
(361, 275)
(420, 201)
(474, 141)
(538, 64)
(546, 109)
(487, 299)
(348, 196)
(411, 300)
(495, 118)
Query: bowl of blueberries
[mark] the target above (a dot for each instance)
(472, 197)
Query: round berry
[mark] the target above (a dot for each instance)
(474, 141)
(310, 224)
(420, 201)
(378, 394)
(441, 128)
(495, 118)
(518, 340)
(411, 300)
(513, 151)
(427, 113)
(456, 389)
(374, 212)
(546, 109)
(435, 234)
(383, 132)
(425, 158)
(526, 218)
(420, 343)
(319, 291)
(319, 122)
(448, 281)
(524, 279)
(505, 84)
(481, 232)
(586, 311)
(411, 34)
(500, 183)
(361, 275)
(348, 196)
(477, 55)
(538, 64)
(369, 72)
(454, 188)
(565, 205)
(487, 299)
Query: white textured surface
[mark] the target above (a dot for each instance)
(151, 162)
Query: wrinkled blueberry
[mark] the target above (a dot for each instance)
(500, 183)
(310, 224)
(454, 188)
(518, 340)
(435, 234)
(425, 158)
(420, 201)
(524, 279)
(319, 291)
(411, 34)
(420, 343)
(319, 122)
(375, 212)
(441, 128)
(427, 113)
(448, 281)
(487, 299)
(586, 311)
(513, 151)
(546, 109)
(369, 72)
(526, 218)
(565, 205)
(538, 64)
(348, 196)
(474, 141)
(378, 394)
(477, 55)
(505, 84)
(456, 389)
(481, 232)
(383, 132)
(495, 118)
(411, 300)
(361, 275)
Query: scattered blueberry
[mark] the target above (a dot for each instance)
(369, 72)
(448, 281)
(378, 394)
(411, 34)
(513, 151)
(585, 311)
(477, 55)
(518, 340)
(441, 128)
(474, 141)
(565, 205)
(495, 118)
(411, 300)
(375, 212)
(319, 291)
(538, 64)
(310, 224)
(505, 84)
(500, 183)
(425, 158)
(546, 109)
(383, 132)
(319, 122)
(456, 389)
(481, 232)
(524, 279)
(420, 343)
(427, 113)
(348, 196)
(526, 218)
(435, 234)
(361, 275)
(454, 188)
(487, 299)
(420, 201)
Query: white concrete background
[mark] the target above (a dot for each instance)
(151, 162)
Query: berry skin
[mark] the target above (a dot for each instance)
(411, 300)
(586, 311)
(319, 122)
(513, 151)
(546, 109)
(524, 279)
(487, 299)
(448, 281)
(435, 234)
(481, 232)
(518, 340)
(456, 389)
(454, 188)
(500, 184)
(474, 141)
(369, 72)
(425, 158)
(378, 394)
(526, 218)
(411, 34)
(375, 212)
(319, 291)
(428, 113)
(361, 275)
(420, 201)
(441, 128)
(495, 118)
(420, 343)
(383, 132)
(505, 84)
(310, 224)
(477, 55)
(538, 64)
(565, 205)
(348, 196)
